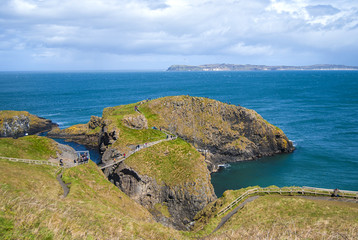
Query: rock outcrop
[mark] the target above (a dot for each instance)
(86, 134)
(135, 121)
(21, 123)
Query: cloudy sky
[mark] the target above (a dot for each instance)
(153, 34)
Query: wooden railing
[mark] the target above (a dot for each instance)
(31, 161)
(288, 191)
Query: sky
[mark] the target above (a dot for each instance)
(154, 34)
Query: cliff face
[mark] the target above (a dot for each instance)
(173, 206)
(223, 132)
(20, 123)
(173, 189)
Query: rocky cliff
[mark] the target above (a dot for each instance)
(223, 132)
(20, 123)
(170, 179)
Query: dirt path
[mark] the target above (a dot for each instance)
(230, 214)
(64, 186)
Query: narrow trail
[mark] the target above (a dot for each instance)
(230, 214)
(64, 186)
(250, 199)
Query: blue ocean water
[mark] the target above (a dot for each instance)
(318, 110)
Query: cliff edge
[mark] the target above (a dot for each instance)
(21, 123)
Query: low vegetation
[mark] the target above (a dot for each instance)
(171, 162)
(129, 136)
(28, 147)
(278, 217)
(32, 206)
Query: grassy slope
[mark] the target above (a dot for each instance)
(128, 136)
(276, 217)
(28, 147)
(94, 209)
(173, 162)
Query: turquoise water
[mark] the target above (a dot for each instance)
(317, 110)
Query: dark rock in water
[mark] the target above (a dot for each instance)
(21, 123)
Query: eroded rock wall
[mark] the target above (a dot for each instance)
(182, 201)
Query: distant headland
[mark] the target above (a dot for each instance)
(249, 67)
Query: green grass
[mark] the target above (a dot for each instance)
(28, 147)
(278, 217)
(128, 136)
(32, 207)
(170, 162)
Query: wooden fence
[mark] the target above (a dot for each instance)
(31, 161)
(288, 191)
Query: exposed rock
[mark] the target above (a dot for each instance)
(226, 132)
(135, 121)
(95, 122)
(21, 123)
(182, 201)
(86, 134)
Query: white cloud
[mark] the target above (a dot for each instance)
(257, 30)
(247, 50)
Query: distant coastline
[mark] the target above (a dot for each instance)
(249, 67)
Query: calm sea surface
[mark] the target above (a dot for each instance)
(317, 110)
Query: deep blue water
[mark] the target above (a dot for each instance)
(317, 110)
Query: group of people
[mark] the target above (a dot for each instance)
(82, 158)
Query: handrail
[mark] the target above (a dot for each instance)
(290, 190)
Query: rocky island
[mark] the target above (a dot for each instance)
(249, 67)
